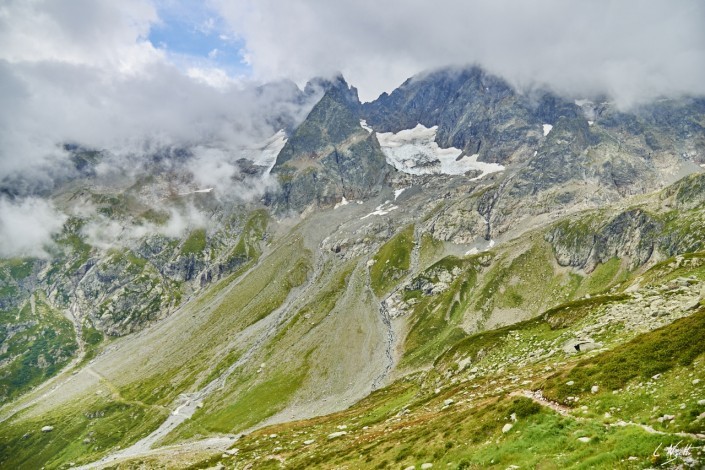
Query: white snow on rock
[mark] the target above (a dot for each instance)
(398, 192)
(343, 202)
(414, 151)
(382, 209)
(265, 153)
(364, 125)
(206, 190)
(546, 129)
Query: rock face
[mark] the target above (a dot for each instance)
(474, 111)
(632, 235)
(330, 156)
(566, 155)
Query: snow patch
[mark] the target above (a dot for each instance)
(265, 153)
(590, 123)
(206, 190)
(546, 129)
(343, 202)
(364, 125)
(398, 192)
(415, 152)
(383, 209)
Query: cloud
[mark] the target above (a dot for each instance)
(105, 233)
(27, 226)
(634, 50)
(82, 72)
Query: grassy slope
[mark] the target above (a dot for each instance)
(408, 422)
(42, 342)
(166, 370)
(478, 371)
(392, 261)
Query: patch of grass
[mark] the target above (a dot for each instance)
(20, 268)
(252, 405)
(602, 277)
(436, 319)
(40, 345)
(82, 433)
(195, 243)
(646, 355)
(528, 281)
(392, 261)
(569, 313)
(430, 249)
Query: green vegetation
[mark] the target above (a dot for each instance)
(643, 357)
(195, 243)
(37, 343)
(82, 433)
(570, 313)
(253, 404)
(247, 247)
(392, 261)
(435, 323)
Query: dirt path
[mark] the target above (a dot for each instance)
(538, 397)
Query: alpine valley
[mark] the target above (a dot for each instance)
(455, 275)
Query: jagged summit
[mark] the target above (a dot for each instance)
(330, 156)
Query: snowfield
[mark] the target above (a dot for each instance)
(265, 153)
(415, 151)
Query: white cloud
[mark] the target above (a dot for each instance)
(97, 33)
(633, 49)
(26, 227)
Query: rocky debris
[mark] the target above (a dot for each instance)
(232, 451)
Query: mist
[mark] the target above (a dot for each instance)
(27, 227)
